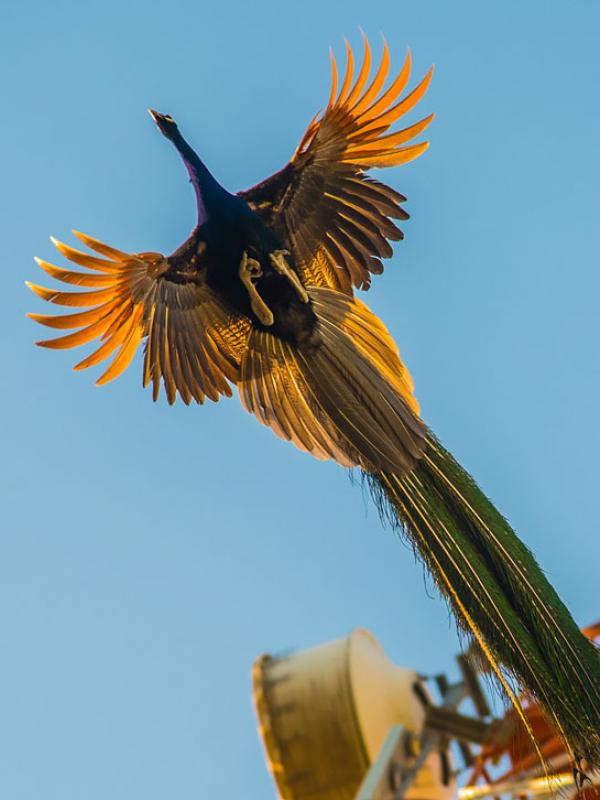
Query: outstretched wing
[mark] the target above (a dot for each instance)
(193, 342)
(336, 220)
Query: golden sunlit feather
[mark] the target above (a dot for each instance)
(84, 259)
(347, 77)
(384, 143)
(388, 97)
(393, 158)
(104, 249)
(363, 75)
(373, 90)
(73, 339)
(75, 278)
(334, 80)
(403, 107)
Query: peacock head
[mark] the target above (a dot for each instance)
(165, 123)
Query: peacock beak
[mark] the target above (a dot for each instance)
(155, 115)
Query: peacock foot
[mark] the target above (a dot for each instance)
(249, 272)
(280, 264)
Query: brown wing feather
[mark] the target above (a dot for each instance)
(335, 219)
(193, 343)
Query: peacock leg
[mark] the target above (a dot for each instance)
(278, 260)
(249, 271)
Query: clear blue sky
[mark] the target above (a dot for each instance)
(148, 554)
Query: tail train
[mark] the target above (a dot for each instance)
(351, 399)
(498, 593)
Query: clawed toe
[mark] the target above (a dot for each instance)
(283, 268)
(249, 271)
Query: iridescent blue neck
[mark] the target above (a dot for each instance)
(209, 192)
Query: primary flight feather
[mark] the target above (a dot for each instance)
(260, 296)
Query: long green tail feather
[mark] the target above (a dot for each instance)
(498, 592)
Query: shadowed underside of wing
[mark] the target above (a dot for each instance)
(193, 344)
(336, 220)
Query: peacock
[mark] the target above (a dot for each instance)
(261, 297)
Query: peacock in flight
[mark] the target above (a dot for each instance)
(261, 297)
